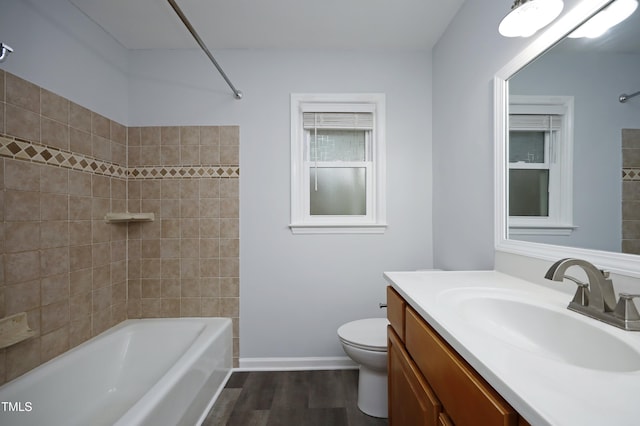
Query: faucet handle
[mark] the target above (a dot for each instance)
(582, 293)
(626, 309)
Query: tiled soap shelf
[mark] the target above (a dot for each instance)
(14, 329)
(129, 217)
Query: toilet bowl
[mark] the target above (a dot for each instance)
(365, 341)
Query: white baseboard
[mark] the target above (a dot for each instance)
(305, 363)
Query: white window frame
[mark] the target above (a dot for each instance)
(374, 221)
(559, 144)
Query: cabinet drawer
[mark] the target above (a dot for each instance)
(466, 397)
(396, 311)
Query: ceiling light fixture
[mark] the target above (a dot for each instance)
(608, 17)
(528, 16)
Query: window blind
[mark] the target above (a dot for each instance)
(535, 122)
(338, 120)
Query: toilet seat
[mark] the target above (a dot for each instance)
(368, 334)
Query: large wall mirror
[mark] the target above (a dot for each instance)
(568, 149)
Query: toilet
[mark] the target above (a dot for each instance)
(365, 341)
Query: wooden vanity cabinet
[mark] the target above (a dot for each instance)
(430, 383)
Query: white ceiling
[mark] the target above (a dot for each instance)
(316, 24)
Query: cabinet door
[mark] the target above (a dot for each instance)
(411, 400)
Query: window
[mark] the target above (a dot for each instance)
(337, 163)
(540, 165)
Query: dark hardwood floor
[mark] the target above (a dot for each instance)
(290, 398)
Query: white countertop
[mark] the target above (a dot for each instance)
(544, 389)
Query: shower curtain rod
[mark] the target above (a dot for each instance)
(236, 93)
(624, 97)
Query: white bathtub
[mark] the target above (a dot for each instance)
(140, 372)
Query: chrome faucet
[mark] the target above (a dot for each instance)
(596, 298)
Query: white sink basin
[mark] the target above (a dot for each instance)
(541, 328)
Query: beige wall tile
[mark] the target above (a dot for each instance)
(190, 287)
(54, 234)
(150, 136)
(101, 299)
(210, 135)
(54, 289)
(80, 281)
(20, 92)
(118, 133)
(80, 142)
(189, 136)
(170, 288)
(22, 236)
(21, 175)
(54, 106)
(209, 155)
(80, 209)
(170, 308)
(79, 117)
(22, 123)
(22, 297)
(54, 261)
(100, 126)
(189, 155)
(150, 190)
(54, 316)
(54, 179)
(79, 183)
(170, 135)
(190, 307)
(54, 133)
(21, 267)
(79, 232)
(150, 308)
(54, 343)
(229, 228)
(133, 136)
(170, 155)
(79, 331)
(170, 189)
(101, 148)
(54, 206)
(171, 268)
(189, 189)
(80, 257)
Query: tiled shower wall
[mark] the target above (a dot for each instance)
(186, 262)
(62, 167)
(631, 191)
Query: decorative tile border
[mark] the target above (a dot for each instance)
(29, 151)
(631, 174)
(159, 172)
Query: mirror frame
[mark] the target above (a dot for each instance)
(620, 263)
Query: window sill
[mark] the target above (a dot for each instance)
(337, 229)
(560, 230)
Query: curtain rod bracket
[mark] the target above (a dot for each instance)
(236, 93)
(624, 97)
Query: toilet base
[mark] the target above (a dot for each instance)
(372, 392)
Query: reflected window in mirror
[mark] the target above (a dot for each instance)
(540, 163)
